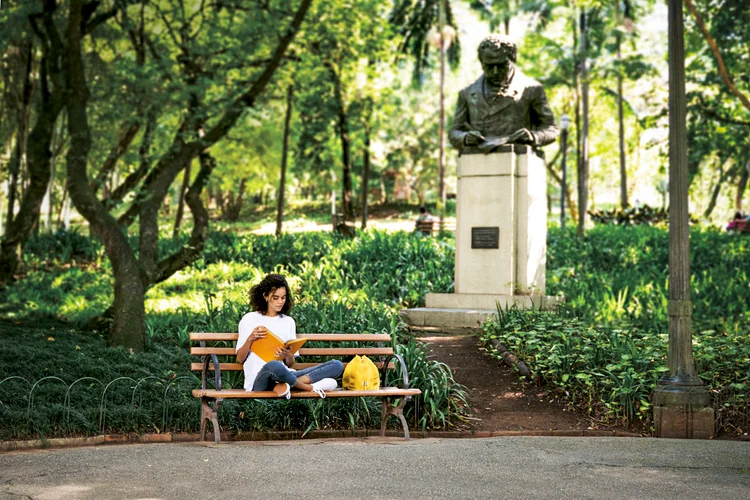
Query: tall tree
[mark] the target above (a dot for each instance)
(193, 45)
(340, 55)
(50, 102)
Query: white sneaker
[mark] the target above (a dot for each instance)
(326, 384)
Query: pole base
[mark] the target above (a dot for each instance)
(682, 411)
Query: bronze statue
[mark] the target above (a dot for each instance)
(503, 106)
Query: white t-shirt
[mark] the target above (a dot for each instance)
(282, 326)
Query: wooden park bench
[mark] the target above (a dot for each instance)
(211, 346)
(429, 227)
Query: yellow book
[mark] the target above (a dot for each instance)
(266, 348)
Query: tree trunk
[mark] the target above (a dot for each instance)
(717, 188)
(128, 328)
(577, 113)
(16, 162)
(367, 128)
(181, 201)
(583, 169)
(621, 119)
(39, 156)
(741, 186)
(365, 174)
(284, 155)
(342, 127)
(558, 178)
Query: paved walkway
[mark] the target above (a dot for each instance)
(504, 467)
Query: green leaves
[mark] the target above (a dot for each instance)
(616, 279)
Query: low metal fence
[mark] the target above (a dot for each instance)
(161, 394)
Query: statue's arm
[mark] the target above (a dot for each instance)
(460, 123)
(544, 128)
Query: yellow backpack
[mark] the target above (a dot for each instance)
(361, 374)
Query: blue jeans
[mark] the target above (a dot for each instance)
(275, 372)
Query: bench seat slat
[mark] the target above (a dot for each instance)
(328, 337)
(309, 351)
(240, 393)
(196, 367)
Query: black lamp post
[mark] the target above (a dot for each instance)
(564, 124)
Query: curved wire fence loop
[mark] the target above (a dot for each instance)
(12, 378)
(166, 390)
(66, 404)
(31, 393)
(132, 400)
(102, 412)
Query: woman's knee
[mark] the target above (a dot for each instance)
(338, 366)
(275, 367)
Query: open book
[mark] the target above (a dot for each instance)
(266, 348)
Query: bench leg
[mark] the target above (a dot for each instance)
(210, 414)
(387, 410)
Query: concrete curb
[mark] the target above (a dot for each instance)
(36, 444)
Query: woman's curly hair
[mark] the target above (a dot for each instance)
(270, 283)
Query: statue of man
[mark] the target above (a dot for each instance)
(503, 106)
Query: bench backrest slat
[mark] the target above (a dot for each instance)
(327, 337)
(311, 351)
(196, 367)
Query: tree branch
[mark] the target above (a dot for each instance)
(719, 60)
(718, 117)
(133, 179)
(192, 251)
(232, 114)
(101, 18)
(128, 130)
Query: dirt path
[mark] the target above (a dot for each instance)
(501, 401)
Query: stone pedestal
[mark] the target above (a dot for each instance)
(501, 223)
(501, 240)
(684, 423)
(682, 409)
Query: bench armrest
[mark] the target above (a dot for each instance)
(211, 358)
(403, 371)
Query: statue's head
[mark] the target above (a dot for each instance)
(497, 53)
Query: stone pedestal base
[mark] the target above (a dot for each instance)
(684, 423)
(682, 409)
(470, 310)
(491, 301)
